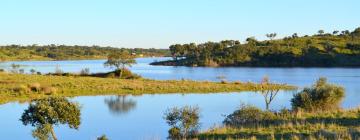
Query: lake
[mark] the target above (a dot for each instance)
(143, 119)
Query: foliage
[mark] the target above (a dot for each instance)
(320, 97)
(247, 116)
(320, 50)
(120, 61)
(65, 52)
(44, 113)
(251, 122)
(184, 122)
(103, 137)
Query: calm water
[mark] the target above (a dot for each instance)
(142, 119)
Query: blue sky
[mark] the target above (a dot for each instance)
(160, 23)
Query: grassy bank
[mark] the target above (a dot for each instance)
(340, 124)
(20, 87)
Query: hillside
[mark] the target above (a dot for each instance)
(336, 49)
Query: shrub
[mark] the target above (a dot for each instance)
(184, 122)
(248, 115)
(320, 97)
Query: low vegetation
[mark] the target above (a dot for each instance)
(65, 52)
(336, 49)
(21, 87)
(184, 122)
(315, 114)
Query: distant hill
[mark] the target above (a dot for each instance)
(63, 52)
(336, 49)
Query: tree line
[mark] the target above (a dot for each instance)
(65, 52)
(339, 48)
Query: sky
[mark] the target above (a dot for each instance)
(160, 23)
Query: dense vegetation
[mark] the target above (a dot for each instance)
(46, 113)
(337, 49)
(21, 87)
(321, 96)
(64, 52)
(315, 115)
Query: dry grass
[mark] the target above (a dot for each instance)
(12, 86)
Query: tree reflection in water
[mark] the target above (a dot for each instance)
(120, 104)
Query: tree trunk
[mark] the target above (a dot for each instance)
(53, 133)
(121, 71)
(267, 106)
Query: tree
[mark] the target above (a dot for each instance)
(120, 61)
(32, 71)
(269, 91)
(320, 97)
(321, 32)
(184, 122)
(335, 32)
(271, 36)
(45, 113)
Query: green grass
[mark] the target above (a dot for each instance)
(17, 87)
(340, 124)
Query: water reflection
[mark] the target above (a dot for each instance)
(120, 104)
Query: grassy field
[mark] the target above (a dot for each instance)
(21, 87)
(340, 124)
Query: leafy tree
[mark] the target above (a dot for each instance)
(184, 122)
(32, 71)
(120, 61)
(321, 32)
(45, 113)
(320, 97)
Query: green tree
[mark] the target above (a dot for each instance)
(320, 97)
(45, 113)
(321, 32)
(184, 122)
(120, 61)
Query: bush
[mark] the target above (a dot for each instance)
(184, 122)
(248, 115)
(320, 97)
